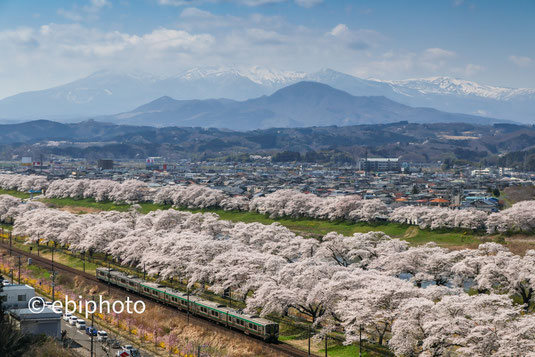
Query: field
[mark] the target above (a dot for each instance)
(15, 193)
(313, 228)
(303, 226)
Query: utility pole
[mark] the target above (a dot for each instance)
(144, 272)
(53, 285)
(83, 259)
(92, 328)
(326, 337)
(309, 340)
(10, 242)
(19, 269)
(109, 275)
(187, 292)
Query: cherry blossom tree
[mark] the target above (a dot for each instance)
(519, 218)
(460, 324)
(358, 250)
(299, 286)
(373, 305)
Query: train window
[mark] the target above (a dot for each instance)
(183, 302)
(154, 292)
(215, 313)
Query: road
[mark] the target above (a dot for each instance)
(80, 342)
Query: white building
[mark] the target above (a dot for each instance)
(16, 296)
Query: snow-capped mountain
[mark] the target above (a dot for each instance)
(109, 92)
(447, 85)
(259, 75)
(303, 104)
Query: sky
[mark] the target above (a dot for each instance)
(48, 43)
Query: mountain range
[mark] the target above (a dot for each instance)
(302, 104)
(109, 92)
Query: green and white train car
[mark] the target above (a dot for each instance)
(249, 324)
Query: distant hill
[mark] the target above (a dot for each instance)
(108, 92)
(298, 105)
(410, 141)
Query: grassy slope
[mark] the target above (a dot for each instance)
(303, 226)
(14, 193)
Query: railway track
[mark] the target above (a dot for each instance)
(273, 349)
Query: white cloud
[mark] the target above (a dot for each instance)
(521, 61)
(403, 64)
(434, 54)
(468, 70)
(193, 12)
(435, 58)
(339, 30)
(361, 39)
(87, 12)
(96, 5)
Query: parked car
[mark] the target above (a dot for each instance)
(80, 324)
(113, 343)
(132, 352)
(102, 336)
(67, 316)
(91, 331)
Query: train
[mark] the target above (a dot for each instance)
(219, 313)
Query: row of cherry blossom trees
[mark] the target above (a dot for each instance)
(129, 191)
(412, 298)
(11, 207)
(439, 217)
(282, 203)
(23, 182)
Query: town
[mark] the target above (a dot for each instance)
(393, 182)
